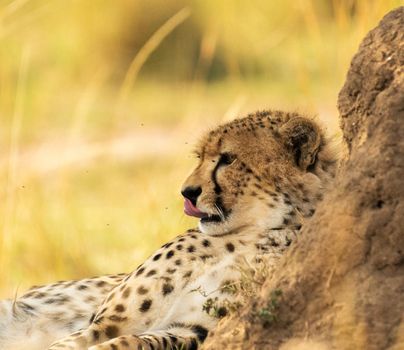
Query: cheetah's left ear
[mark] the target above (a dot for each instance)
(303, 138)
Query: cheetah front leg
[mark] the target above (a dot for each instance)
(178, 337)
(84, 339)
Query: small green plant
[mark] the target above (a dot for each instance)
(268, 314)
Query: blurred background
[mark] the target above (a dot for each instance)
(102, 101)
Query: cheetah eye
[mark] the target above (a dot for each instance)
(226, 159)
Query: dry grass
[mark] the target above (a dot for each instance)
(91, 162)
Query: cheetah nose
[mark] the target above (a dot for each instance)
(192, 193)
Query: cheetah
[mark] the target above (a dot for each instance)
(257, 179)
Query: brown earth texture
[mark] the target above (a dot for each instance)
(341, 286)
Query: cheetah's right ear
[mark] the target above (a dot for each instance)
(303, 138)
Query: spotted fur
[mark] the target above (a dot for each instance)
(257, 180)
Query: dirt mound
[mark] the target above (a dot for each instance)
(342, 285)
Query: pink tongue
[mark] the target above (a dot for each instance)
(191, 210)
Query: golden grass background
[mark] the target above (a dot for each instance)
(101, 102)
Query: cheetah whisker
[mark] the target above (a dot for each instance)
(220, 212)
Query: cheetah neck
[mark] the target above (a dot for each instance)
(261, 246)
(252, 236)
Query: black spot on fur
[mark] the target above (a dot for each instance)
(111, 331)
(205, 257)
(140, 271)
(230, 247)
(142, 290)
(96, 335)
(188, 274)
(151, 273)
(119, 308)
(167, 245)
(201, 332)
(178, 262)
(173, 338)
(170, 254)
(156, 257)
(167, 288)
(126, 293)
(191, 249)
(206, 243)
(179, 247)
(193, 345)
(145, 306)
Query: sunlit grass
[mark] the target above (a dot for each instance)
(93, 153)
(102, 217)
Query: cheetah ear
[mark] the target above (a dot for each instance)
(303, 138)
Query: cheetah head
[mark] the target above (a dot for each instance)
(267, 170)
